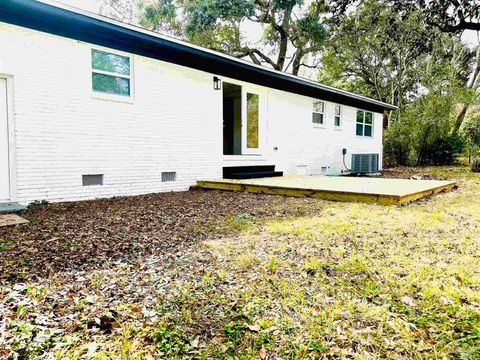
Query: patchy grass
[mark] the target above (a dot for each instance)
(264, 277)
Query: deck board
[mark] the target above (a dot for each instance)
(364, 189)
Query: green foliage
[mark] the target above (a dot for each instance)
(204, 15)
(398, 143)
(401, 60)
(310, 27)
(37, 204)
(424, 136)
(161, 16)
(169, 342)
(240, 222)
(3, 244)
(377, 53)
(285, 4)
(450, 16)
(404, 61)
(471, 134)
(30, 340)
(471, 128)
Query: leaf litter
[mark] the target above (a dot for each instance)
(242, 276)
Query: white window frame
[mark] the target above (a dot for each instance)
(339, 115)
(107, 96)
(363, 124)
(316, 124)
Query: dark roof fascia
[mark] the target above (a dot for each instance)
(62, 22)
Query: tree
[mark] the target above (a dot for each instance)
(374, 52)
(292, 31)
(402, 60)
(393, 59)
(452, 16)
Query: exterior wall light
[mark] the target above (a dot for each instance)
(217, 83)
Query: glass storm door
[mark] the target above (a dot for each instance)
(251, 121)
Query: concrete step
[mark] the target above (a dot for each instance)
(254, 175)
(11, 207)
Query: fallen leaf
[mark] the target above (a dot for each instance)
(135, 308)
(195, 342)
(407, 300)
(431, 342)
(216, 340)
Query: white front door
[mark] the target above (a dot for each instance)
(4, 151)
(252, 117)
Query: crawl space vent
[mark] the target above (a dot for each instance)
(169, 176)
(93, 179)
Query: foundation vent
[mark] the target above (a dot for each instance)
(92, 179)
(169, 176)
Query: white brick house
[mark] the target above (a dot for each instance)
(86, 100)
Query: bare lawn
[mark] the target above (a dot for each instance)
(218, 275)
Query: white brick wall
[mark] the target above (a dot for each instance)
(301, 142)
(173, 124)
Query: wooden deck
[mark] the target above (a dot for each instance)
(339, 188)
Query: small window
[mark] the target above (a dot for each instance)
(337, 120)
(94, 179)
(317, 113)
(111, 73)
(364, 123)
(169, 176)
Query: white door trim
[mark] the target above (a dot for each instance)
(11, 137)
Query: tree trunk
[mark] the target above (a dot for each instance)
(282, 51)
(297, 62)
(473, 83)
(460, 118)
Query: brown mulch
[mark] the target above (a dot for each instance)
(89, 234)
(407, 173)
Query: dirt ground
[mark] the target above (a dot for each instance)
(207, 274)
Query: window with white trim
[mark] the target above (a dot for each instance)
(111, 73)
(337, 118)
(364, 123)
(317, 112)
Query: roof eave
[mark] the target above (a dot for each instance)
(91, 29)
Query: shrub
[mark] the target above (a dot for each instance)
(398, 144)
(442, 152)
(423, 133)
